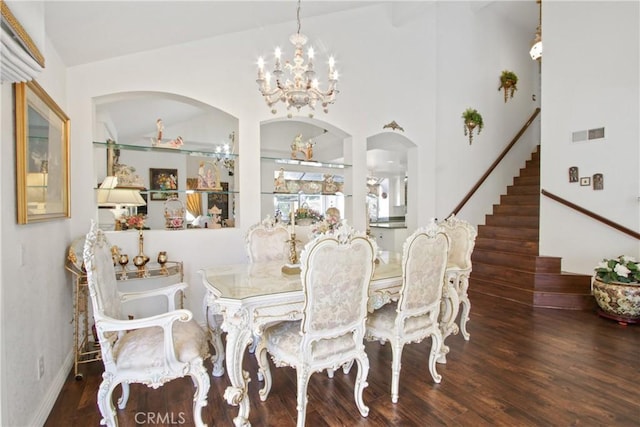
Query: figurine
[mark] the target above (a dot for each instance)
(280, 184)
(306, 148)
(329, 186)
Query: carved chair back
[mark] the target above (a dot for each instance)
(266, 241)
(462, 237)
(423, 271)
(335, 271)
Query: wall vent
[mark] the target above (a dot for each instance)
(596, 133)
(578, 136)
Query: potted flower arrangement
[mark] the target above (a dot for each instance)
(304, 215)
(132, 222)
(616, 288)
(472, 119)
(508, 82)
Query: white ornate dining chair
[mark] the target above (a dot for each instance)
(151, 350)
(462, 238)
(415, 315)
(335, 273)
(266, 241)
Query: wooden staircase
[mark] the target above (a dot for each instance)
(505, 260)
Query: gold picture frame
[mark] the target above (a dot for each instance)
(42, 156)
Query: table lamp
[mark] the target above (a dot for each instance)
(120, 199)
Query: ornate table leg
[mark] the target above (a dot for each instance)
(236, 324)
(213, 316)
(448, 313)
(466, 305)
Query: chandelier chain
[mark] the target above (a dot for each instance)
(298, 17)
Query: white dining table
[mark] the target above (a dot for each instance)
(242, 299)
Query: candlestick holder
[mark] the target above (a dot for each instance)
(293, 266)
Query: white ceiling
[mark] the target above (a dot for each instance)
(88, 31)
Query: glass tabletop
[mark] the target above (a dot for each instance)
(241, 281)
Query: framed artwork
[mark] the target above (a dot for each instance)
(573, 174)
(42, 155)
(163, 183)
(585, 181)
(598, 181)
(221, 200)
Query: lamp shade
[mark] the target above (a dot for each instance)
(110, 196)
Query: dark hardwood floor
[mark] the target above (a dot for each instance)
(522, 367)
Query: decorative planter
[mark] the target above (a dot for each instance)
(472, 121)
(509, 90)
(618, 301)
(304, 221)
(508, 82)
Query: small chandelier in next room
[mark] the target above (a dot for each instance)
(296, 84)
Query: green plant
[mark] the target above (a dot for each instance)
(508, 83)
(472, 115)
(623, 269)
(472, 119)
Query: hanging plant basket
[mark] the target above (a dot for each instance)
(472, 120)
(508, 84)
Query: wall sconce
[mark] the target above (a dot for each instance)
(536, 45)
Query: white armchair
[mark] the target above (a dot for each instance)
(415, 315)
(462, 238)
(335, 272)
(151, 350)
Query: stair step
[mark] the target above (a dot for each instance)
(564, 301)
(530, 172)
(513, 221)
(508, 233)
(540, 282)
(530, 248)
(526, 262)
(532, 164)
(523, 190)
(486, 286)
(527, 180)
(535, 155)
(531, 200)
(531, 298)
(524, 210)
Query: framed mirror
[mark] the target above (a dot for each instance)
(42, 155)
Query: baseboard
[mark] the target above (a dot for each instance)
(52, 394)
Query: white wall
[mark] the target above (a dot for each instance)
(36, 290)
(590, 75)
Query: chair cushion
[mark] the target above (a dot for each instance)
(144, 348)
(283, 341)
(381, 323)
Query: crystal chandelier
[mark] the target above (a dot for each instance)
(296, 84)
